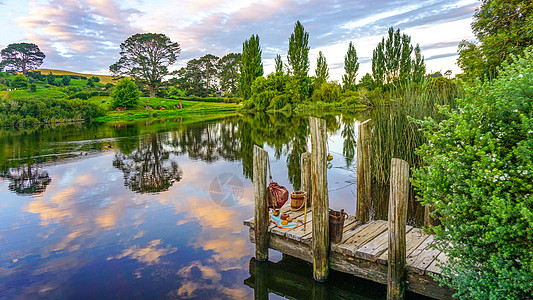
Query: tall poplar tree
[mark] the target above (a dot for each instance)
(322, 70)
(419, 66)
(298, 58)
(251, 65)
(279, 64)
(351, 66)
(391, 59)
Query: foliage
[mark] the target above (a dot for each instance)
(322, 71)
(19, 82)
(367, 82)
(21, 57)
(419, 66)
(33, 88)
(279, 64)
(351, 66)
(298, 58)
(228, 72)
(251, 66)
(37, 110)
(65, 80)
(478, 176)
(327, 92)
(502, 28)
(264, 90)
(94, 78)
(125, 94)
(391, 60)
(146, 57)
(208, 70)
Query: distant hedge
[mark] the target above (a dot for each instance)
(208, 99)
(88, 94)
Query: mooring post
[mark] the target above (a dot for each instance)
(320, 203)
(262, 277)
(261, 207)
(364, 179)
(305, 161)
(399, 195)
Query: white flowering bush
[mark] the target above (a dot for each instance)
(478, 174)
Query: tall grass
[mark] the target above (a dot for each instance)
(394, 132)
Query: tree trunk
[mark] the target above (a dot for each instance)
(152, 90)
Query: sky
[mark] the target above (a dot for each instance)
(84, 36)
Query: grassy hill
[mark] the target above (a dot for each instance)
(103, 78)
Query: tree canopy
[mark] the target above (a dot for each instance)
(251, 65)
(322, 70)
(146, 57)
(298, 57)
(351, 66)
(228, 72)
(21, 57)
(502, 28)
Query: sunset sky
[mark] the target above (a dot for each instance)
(84, 36)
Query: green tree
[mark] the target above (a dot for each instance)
(125, 94)
(192, 79)
(146, 58)
(21, 57)
(65, 80)
(478, 176)
(279, 64)
(391, 59)
(90, 82)
(95, 78)
(502, 28)
(298, 58)
(419, 66)
(367, 82)
(251, 65)
(33, 88)
(351, 66)
(322, 70)
(19, 82)
(228, 72)
(209, 71)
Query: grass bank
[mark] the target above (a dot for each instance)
(159, 108)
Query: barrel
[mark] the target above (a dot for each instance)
(336, 225)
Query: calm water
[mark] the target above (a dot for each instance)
(155, 210)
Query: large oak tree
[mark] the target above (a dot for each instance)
(146, 57)
(21, 57)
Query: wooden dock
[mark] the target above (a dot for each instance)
(363, 251)
(387, 252)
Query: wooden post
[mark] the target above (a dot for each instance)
(305, 161)
(262, 278)
(261, 206)
(364, 175)
(429, 221)
(320, 204)
(399, 196)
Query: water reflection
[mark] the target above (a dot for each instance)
(111, 213)
(27, 179)
(149, 168)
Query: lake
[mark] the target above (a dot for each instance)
(156, 209)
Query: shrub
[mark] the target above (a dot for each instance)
(65, 80)
(95, 79)
(125, 94)
(19, 82)
(33, 88)
(328, 93)
(478, 175)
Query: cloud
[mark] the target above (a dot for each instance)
(79, 35)
(149, 255)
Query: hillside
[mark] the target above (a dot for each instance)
(103, 78)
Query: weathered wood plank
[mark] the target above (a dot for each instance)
(365, 233)
(373, 249)
(298, 233)
(435, 266)
(320, 203)
(364, 179)
(348, 232)
(413, 239)
(399, 196)
(422, 256)
(260, 161)
(294, 215)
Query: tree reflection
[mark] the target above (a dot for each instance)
(149, 168)
(27, 179)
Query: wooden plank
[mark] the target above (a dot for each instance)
(284, 209)
(373, 249)
(298, 233)
(413, 239)
(422, 256)
(422, 284)
(435, 267)
(348, 232)
(364, 234)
